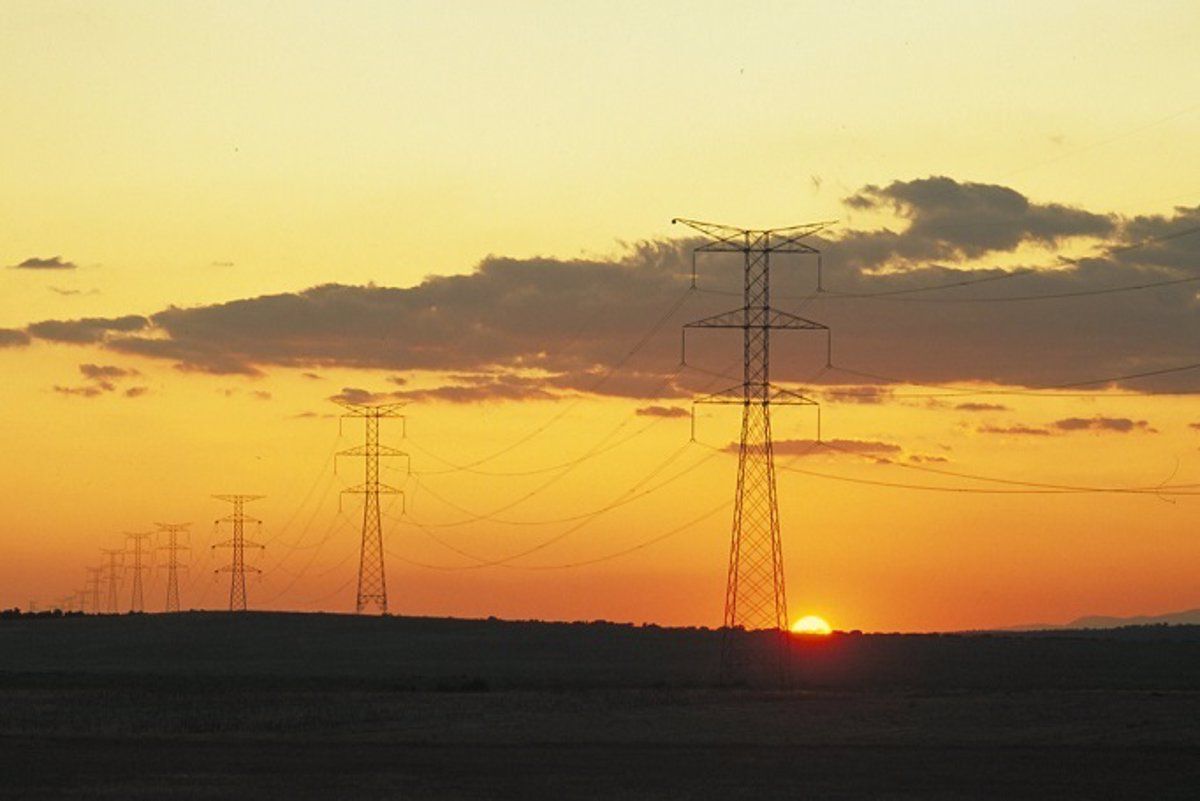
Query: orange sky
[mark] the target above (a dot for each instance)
(175, 159)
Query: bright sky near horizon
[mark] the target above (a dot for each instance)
(176, 157)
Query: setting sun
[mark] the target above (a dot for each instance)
(811, 624)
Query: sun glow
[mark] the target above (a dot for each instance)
(813, 625)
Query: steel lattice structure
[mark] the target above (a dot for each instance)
(136, 600)
(113, 555)
(238, 544)
(173, 547)
(755, 593)
(372, 580)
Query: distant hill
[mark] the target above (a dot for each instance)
(1191, 617)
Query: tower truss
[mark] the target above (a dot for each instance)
(372, 579)
(238, 544)
(172, 532)
(755, 591)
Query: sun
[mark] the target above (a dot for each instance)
(812, 625)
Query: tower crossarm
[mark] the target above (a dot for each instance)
(382, 489)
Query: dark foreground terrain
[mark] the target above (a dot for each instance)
(265, 706)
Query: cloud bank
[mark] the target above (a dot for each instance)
(543, 327)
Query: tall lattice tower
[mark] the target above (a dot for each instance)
(755, 593)
(238, 544)
(93, 588)
(172, 532)
(139, 567)
(372, 581)
(112, 575)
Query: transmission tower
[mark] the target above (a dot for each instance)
(113, 574)
(755, 594)
(93, 587)
(136, 600)
(237, 566)
(173, 547)
(372, 583)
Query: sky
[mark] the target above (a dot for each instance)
(217, 217)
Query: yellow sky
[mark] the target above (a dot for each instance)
(190, 153)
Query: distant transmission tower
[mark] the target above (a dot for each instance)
(755, 595)
(372, 583)
(173, 547)
(112, 573)
(93, 587)
(137, 601)
(237, 566)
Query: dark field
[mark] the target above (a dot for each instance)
(209, 706)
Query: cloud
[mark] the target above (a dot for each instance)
(559, 326)
(222, 264)
(136, 392)
(951, 219)
(106, 371)
(90, 391)
(52, 263)
(923, 458)
(12, 338)
(312, 376)
(1194, 425)
(261, 394)
(868, 394)
(1120, 425)
(88, 330)
(981, 407)
(663, 411)
(1015, 431)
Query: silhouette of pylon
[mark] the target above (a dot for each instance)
(372, 580)
(172, 532)
(755, 592)
(136, 599)
(93, 587)
(238, 544)
(113, 575)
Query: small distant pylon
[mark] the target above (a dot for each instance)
(137, 601)
(372, 581)
(173, 547)
(238, 543)
(112, 573)
(93, 587)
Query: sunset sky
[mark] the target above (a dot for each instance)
(214, 218)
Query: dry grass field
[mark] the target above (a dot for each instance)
(264, 706)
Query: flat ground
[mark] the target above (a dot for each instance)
(205, 706)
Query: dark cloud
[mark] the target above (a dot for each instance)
(52, 263)
(923, 458)
(1120, 425)
(1015, 431)
(261, 394)
(869, 394)
(103, 372)
(313, 376)
(136, 392)
(1194, 425)
(981, 407)
(87, 330)
(663, 411)
(90, 391)
(12, 338)
(359, 396)
(951, 219)
(559, 327)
